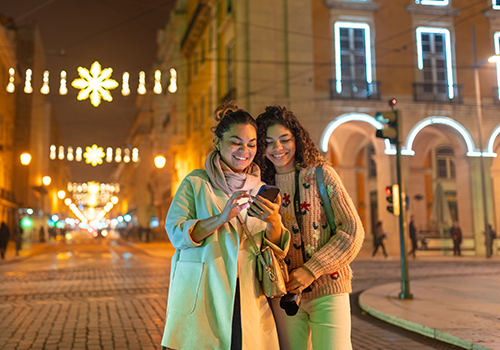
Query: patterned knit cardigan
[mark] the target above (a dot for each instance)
(328, 257)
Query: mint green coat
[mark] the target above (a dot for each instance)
(203, 276)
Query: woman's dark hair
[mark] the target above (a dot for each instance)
(229, 114)
(306, 152)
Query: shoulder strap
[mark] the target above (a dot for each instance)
(252, 241)
(326, 201)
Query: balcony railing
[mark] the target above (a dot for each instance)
(355, 90)
(431, 92)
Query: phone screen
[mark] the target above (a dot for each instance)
(269, 192)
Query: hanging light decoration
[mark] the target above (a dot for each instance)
(45, 89)
(63, 90)
(109, 154)
(135, 155)
(141, 90)
(118, 155)
(157, 87)
(27, 83)
(70, 154)
(10, 86)
(61, 153)
(53, 152)
(126, 155)
(95, 84)
(93, 155)
(125, 84)
(173, 81)
(78, 154)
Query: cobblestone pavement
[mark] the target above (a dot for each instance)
(101, 295)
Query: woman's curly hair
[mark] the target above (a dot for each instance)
(306, 152)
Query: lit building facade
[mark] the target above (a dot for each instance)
(335, 63)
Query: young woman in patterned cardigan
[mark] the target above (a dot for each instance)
(316, 259)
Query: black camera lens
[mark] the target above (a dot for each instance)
(290, 303)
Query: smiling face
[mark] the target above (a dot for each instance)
(280, 148)
(238, 146)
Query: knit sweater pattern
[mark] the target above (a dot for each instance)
(327, 257)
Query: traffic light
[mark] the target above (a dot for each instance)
(393, 199)
(393, 129)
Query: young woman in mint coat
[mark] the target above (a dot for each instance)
(215, 300)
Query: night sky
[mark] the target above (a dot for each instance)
(120, 34)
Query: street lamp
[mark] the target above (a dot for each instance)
(160, 161)
(61, 194)
(479, 110)
(46, 180)
(25, 158)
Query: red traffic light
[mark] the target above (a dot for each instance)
(392, 102)
(388, 191)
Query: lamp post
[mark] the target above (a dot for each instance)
(475, 69)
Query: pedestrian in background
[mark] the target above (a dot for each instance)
(215, 300)
(413, 237)
(4, 238)
(456, 235)
(493, 235)
(19, 238)
(378, 239)
(318, 259)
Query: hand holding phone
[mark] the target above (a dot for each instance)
(268, 192)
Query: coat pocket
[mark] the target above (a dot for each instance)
(185, 287)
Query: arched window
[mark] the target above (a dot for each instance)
(445, 163)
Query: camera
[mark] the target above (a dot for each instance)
(291, 302)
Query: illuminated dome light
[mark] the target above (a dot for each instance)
(45, 89)
(157, 87)
(114, 199)
(126, 156)
(127, 217)
(135, 155)
(27, 84)
(109, 154)
(29, 211)
(141, 90)
(10, 86)
(160, 161)
(125, 84)
(70, 187)
(63, 90)
(53, 149)
(118, 155)
(104, 233)
(173, 81)
(25, 158)
(61, 153)
(54, 218)
(46, 180)
(94, 155)
(95, 84)
(67, 201)
(26, 222)
(79, 188)
(120, 218)
(70, 154)
(78, 154)
(61, 194)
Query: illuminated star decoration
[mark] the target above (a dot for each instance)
(94, 83)
(94, 155)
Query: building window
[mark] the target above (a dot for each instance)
(230, 66)
(353, 60)
(203, 114)
(496, 37)
(372, 166)
(434, 60)
(495, 4)
(202, 51)
(433, 2)
(445, 163)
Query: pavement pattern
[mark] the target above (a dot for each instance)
(103, 295)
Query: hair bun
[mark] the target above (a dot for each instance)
(224, 109)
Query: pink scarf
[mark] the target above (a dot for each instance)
(223, 178)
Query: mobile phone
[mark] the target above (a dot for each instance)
(269, 192)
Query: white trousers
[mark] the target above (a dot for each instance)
(323, 323)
